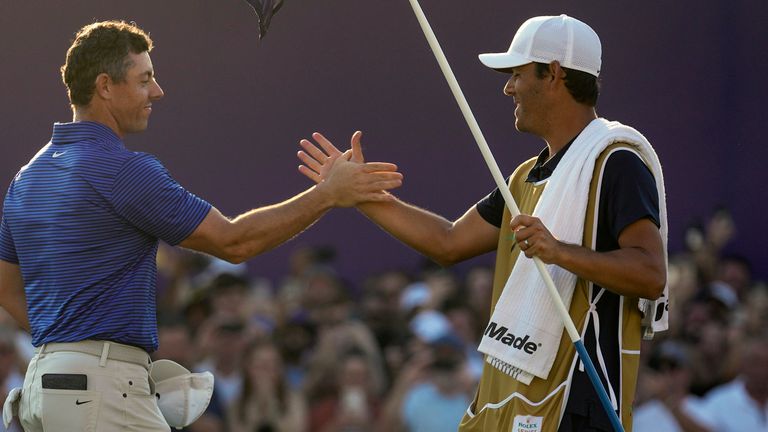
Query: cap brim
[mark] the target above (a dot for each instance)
(164, 369)
(503, 60)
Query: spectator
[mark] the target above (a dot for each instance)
(333, 342)
(380, 305)
(174, 332)
(734, 272)
(479, 283)
(294, 340)
(222, 343)
(706, 243)
(10, 376)
(710, 363)
(331, 311)
(266, 403)
(228, 296)
(466, 326)
(432, 395)
(355, 401)
(23, 341)
(742, 404)
(305, 262)
(442, 285)
(665, 384)
(754, 318)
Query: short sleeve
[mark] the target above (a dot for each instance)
(145, 194)
(7, 245)
(628, 192)
(491, 207)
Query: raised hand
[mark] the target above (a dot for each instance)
(344, 176)
(315, 159)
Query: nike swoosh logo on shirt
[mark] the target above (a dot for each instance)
(57, 154)
(77, 402)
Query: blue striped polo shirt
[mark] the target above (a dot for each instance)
(82, 219)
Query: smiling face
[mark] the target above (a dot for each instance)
(130, 102)
(528, 91)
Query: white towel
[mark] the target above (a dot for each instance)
(523, 336)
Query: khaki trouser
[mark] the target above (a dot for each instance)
(118, 395)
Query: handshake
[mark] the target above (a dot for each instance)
(344, 177)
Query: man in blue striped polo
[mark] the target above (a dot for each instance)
(80, 230)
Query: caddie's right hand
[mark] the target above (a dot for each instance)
(315, 156)
(344, 176)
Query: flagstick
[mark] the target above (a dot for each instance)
(510, 201)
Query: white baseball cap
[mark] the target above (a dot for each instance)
(182, 396)
(545, 39)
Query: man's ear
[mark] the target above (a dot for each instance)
(556, 78)
(558, 73)
(103, 87)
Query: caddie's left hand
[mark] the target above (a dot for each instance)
(534, 239)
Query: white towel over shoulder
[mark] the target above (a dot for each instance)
(524, 334)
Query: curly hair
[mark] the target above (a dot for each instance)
(101, 47)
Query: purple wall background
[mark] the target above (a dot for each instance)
(689, 75)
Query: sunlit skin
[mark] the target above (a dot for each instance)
(545, 108)
(124, 106)
(526, 89)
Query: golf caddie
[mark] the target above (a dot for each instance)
(592, 206)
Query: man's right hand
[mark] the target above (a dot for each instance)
(345, 176)
(341, 182)
(315, 156)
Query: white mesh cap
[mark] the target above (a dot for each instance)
(182, 396)
(545, 39)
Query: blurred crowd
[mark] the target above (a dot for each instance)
(312, 352)
(709, 372)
